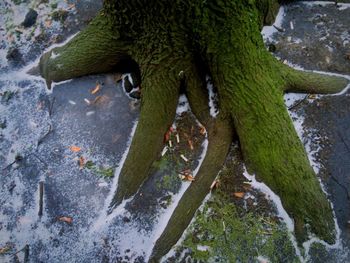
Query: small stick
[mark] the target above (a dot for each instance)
(41, 196)
(278, 28)
(298, 103)
(26, 254)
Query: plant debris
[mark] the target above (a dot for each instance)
(96, 89)
(5, 249)
(75, 149)
(239, 194)
(66, 219)
(81, 162)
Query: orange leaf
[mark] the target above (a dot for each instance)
(66, 219)
(202, 130)
(238, 194)
(96, 89)
(74, 148)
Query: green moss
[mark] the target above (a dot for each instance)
(245, 237)
(105, 172)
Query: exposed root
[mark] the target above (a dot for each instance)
(97, 49)
(220, 133)
(310, 82)
(220, 137)
(160, 91)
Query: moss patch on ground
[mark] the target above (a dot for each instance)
(231, 229)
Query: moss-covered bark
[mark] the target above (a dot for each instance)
(224, 38)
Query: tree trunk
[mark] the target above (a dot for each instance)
(176, 42)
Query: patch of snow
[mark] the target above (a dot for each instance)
(268, 31)
(213, 98)
(183, 105)
(203, 248)
(54, 55)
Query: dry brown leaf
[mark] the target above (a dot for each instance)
(75, 149)
(4, 250)
(239, 194)
(66, 219)
(96, 89)
(189, 178)
(202, 130)
(81, 162)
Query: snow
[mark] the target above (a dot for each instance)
(268, 31)
(213, 98)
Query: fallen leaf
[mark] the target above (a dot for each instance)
(188, 177)
(81, 162)
(190, 144)
(66, 219)
(312, 96)
(4, 250)
(75, 148)
(96, 89)
(202, 130)
(239, 194)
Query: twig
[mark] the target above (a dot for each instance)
(41, 196)
(279, 29)
(298, 103)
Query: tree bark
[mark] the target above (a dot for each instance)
(172, 41)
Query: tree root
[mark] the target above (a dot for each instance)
(220, 137)
(97, 49)
(309, 82)
(160, 91)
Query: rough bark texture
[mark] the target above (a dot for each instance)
(221, 39)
